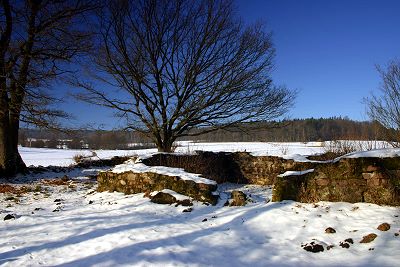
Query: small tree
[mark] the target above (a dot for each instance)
(385, 107)
(181, 64)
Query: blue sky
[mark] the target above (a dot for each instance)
(325, 49)
(328, 49)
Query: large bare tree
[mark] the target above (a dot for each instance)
(37, 39)
(385, 106)
(180, 64)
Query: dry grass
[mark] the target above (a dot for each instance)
(78, 158)
(6, 188)
(341, 147)
(56, 182)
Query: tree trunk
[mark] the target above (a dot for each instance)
(11, 162)
(166, 145)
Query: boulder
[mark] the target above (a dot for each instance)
(163, 198)
(369, 238)
(313, 247)
(238, 198)
(9, 217)
(330, 230)
(384, 227)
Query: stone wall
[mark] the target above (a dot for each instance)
(219, 167)
(373, 180)
(264, 170)
(132, 183)
(238, 167)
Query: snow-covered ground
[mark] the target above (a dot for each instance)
(46, 157)
(73, 225)
(60, 157)
(296, 150)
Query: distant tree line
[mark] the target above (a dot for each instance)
(298, 130)
(87, 139)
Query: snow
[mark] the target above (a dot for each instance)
(295, 150)
(129, 230)
(376, 153)
(140, 168)
(60, 157)
(256, 148)
(87, 228)
(290, 173)
(178, 196)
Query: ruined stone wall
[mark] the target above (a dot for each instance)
(219, 167)
(372, 180)
(264, 170)
(239, 167)
(132, 183)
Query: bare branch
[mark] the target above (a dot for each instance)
(180, 65)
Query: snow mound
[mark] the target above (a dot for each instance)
(376, 153)
(179, 197)
(290, 173)
(140, 168)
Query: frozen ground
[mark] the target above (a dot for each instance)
(65, 222)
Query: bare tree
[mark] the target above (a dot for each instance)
(180, 64)
(37, 39)
(385, 107)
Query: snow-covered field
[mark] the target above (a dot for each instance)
(46, 157)
(73, 225)
(295, 150)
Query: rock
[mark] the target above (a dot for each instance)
(9, 217)
(58, 200)
(384, 227)
(57, 209)
(349, 240)
(396, 234)
(344, 244)
(163, 198)
(313, 247)
(91, 202)
(238, 198)
(330, 230)
(369, 238)
(188, 210)
(147, 194)
(185, 203)
(330, 247)
(204, 220)
(372, 168)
